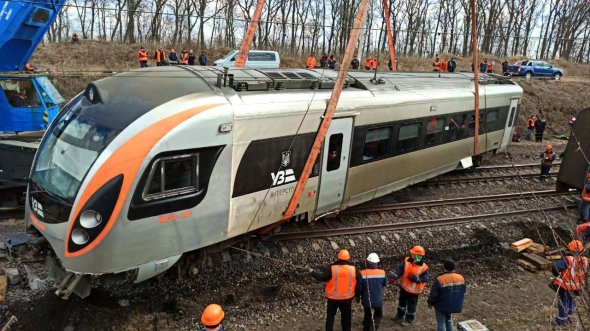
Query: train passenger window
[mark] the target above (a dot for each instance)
(172, 176)
(334, 152)
(376, 143)
(491, 120)
(434, 130)
(512, 115)
(472, 124)
(457, 127)
(409, 135)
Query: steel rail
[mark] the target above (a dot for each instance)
(503, 166)
(478, 179)
(455, 201)
(406, 225)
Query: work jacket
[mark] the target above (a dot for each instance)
(586, 193)
(443, 66)
(582, 228)
(311, 62)
(436, 66)
(572, 273)
(191, 59)
(370, 286)
(142, 56)
(447, 293)
(173, 57)
(490, 68)
(159, 56)
(354, 64)
(341, 280)
(530, 123)
(548, 158)
(183, 58)
(202, 59)
(412, 275)
(452, 65)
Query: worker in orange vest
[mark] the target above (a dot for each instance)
(369, 62)
(341, 280)
(311, 61)
(184, 57)
(370, 287)
(547, 159)
(585, 203)
(142, 57)
(570, 281)
(29, 67)
(375, 63)
(436, 65)
(413, 275)
(212, 317)
(443, 65)
(530, 125)
(159, 56)
(491, 67)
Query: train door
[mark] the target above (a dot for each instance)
(510, 122)
(335, 157)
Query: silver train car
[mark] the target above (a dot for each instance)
(147, 165)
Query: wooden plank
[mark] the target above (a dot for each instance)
(541, 262)
(536, 248)
(519, 246)
(556, 251)
(554, 257)
(3, 288)
(526, 265)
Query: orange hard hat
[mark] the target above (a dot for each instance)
(548, 147)
(343, 255)
(212, 315)
(418, 250)
(576, 246)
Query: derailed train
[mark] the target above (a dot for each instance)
(574, 165)
(147, 165)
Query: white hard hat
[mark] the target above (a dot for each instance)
(573, 118)
(373, 258)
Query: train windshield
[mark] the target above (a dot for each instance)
(69, 149)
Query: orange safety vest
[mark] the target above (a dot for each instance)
(311, 62)
(409, 270)
(343, 282)
(374, 64)
(160, 55)
(183, 58)
(436, 66)
(443, 66)
(585, 194)
(531, 123)
(142, 56)
(582, 228)
(490, 67)
(372, 273)
(547, 158)
(573, 277)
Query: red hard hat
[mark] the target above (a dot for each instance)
(576, 246)
(343, 255)
(548, 147)
(212, 315)
(418, 250)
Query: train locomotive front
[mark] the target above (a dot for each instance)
(121, 176)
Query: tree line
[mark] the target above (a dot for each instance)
(534, 28)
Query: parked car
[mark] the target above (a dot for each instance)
(256, 59)
(530, 68)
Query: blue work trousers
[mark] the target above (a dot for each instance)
(584, 211)
(444, 321)
(529, 132)
(565, 307)
(407, 305)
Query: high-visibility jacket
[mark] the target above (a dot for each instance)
(490, 68)
(548, 158)
(374, 64)
(582, 228)
(573, 277)
(531, 123)
(586, 193)
(371, 285)
(142, 56)
(160, 56)
(342, 285)
(29, 67)
(443, 66)
(436, 66)
(411, 269)
(183, 58)
(311, 62)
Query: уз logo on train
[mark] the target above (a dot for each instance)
(283, 177)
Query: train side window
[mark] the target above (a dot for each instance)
(172, 176)
(376, 143)
(512, 115)
(458, 127)
(434, 130)
(409, 136)
(334, 152)
(472, 124)
(492, 120)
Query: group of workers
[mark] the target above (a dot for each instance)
(443, 65)
(344, 283)
(370, 63)
(538, 124)
(172, 58)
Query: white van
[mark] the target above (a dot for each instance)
(256, 59)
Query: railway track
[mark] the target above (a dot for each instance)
(552, 200)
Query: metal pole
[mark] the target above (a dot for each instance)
(475, 77)
(389, 35)
(245, 48)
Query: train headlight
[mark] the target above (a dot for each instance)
(90, 219)
(79, 236)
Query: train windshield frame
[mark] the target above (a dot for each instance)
(71, 146)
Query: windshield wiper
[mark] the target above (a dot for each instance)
(42, 190)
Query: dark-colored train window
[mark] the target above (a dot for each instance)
(472, 124)
(409, 136)
(334, 152)
(512, 116)
(458, 127)
(172, 176)
(376, 143)
(491, 120)
(434, 130)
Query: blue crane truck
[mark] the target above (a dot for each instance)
(28, 100)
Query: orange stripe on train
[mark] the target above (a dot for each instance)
(126, 160)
